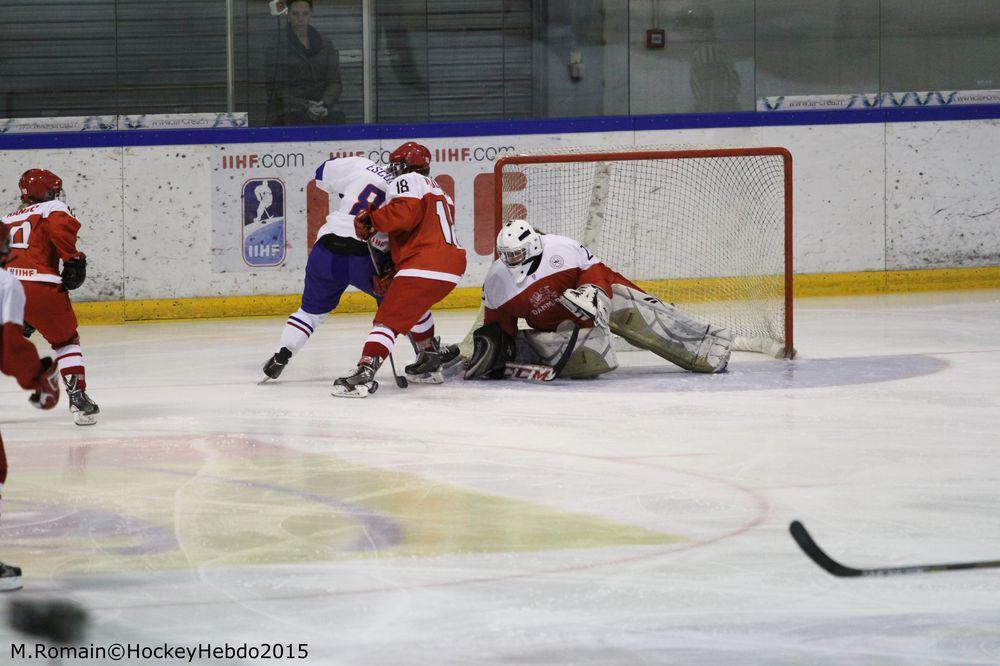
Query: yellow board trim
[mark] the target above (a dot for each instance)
(824, 284)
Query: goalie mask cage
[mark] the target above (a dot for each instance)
(707, 230)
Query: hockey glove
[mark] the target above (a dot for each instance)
(74, 272)
(46, 393)
(587, 302)
(363, 227)
(380, 283)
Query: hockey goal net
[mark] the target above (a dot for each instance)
(707, 230)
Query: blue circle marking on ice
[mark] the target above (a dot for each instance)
(768, 375)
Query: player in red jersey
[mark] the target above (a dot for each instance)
(43, 232)
(573, 302)
(19, 359)
(427, 264)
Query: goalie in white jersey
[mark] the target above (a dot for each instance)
(339, 258)
(572, 302)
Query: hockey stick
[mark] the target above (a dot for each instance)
(816, 554)
(400, 381)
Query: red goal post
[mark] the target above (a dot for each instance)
(708, 230)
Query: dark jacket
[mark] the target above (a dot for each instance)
(297, 74)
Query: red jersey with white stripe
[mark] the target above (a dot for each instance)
(563, 264)
(18, 357)
(40, 235)
(420, 220)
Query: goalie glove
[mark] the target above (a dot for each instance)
(46, 393)
(492, 347)
(74, 272)
(587, 302)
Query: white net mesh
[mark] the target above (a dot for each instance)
(704, 232)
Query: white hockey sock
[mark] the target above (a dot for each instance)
(379, 342)
(298, 328)
(70, 357)
(423, 331)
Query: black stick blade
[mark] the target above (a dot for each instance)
(816, 554)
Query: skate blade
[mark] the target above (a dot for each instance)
(82, 419)
(359, 391)
(264, 381)
(435, 377)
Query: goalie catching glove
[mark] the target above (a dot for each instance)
(587, 302)
(46, 393)
(492, 347)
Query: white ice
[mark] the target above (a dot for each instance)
(639, 518)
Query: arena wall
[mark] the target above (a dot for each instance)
(879, 204)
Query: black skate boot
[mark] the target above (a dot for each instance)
(83, 409)
(276, 364)
(360, 383)
(427, 367)
(10, 578)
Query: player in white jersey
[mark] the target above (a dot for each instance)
(339, 258)
(572, 302)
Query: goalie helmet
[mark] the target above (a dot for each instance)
(39, 185)
(411, 156)
(517, 244)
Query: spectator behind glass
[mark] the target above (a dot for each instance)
(303, 73)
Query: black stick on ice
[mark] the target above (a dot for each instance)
(816, 554)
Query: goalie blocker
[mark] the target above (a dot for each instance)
(643, 320)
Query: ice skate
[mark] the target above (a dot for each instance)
(10, 578)
(83, 409)
(276, 364)
(430, 363)
(360, 383)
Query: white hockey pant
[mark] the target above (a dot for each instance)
(647, 322)
(592, 354)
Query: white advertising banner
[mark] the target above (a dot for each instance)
(266, 209)
(183, 121)
(878, 100)
(67, 124)
(132, 122)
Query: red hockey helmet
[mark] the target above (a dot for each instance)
(411, 156)
(39, 185)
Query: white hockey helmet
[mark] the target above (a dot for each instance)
(517, 244)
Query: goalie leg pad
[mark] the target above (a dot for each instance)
(592, 354)
(659, 327)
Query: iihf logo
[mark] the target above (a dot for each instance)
(263, 222)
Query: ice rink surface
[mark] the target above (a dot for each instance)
(641, 518)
